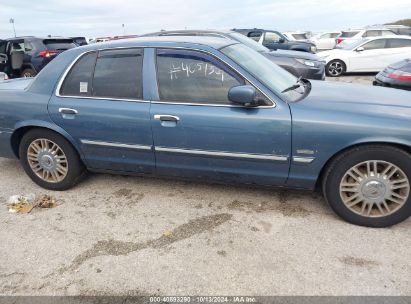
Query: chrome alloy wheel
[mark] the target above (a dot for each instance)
(374, 188)
(47, 160)
(335, 68)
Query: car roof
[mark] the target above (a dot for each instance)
(390, 37)
(164, 41)
(182, 32)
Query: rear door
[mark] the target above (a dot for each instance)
(100, 104)
(398, 49)
(198, 133)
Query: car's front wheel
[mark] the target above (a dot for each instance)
(335, 68)
(370, 185)
(50, 160)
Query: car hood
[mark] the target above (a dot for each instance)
(291, 54)
(356, 98)
(15, 84)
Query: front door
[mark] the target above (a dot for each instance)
(100, 105)
(198, 133)
(371, 59)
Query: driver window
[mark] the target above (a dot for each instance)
(271, 37)
(194, 77)
(375, 44)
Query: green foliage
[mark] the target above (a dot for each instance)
(406, 22)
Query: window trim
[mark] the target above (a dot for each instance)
(77, 59)
(190, 102)
(142, 76)
(273, 104)
(69, 67)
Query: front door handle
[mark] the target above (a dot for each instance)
(167, 118)
(68, 111)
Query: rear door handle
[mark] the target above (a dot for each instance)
(68, 111)
(167, 118)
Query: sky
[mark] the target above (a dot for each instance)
(95, 18)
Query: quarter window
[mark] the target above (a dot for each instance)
(194, 77)
(79, 80)
(118, 74)
(399, 43)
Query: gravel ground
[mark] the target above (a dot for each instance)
(115, 235)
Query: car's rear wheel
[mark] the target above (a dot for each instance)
(50, 160)
(370, 185)
(28, 73)
(335, 68)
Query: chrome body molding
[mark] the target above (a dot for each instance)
(223, 154)
(303, 160)
(71, 65)
(115, 145)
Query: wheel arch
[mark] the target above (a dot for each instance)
(403, 146)
(23, 128)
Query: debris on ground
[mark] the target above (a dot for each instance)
(26, 203)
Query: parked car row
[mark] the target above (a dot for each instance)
(300, 64)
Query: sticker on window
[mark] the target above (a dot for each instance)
(83, 87)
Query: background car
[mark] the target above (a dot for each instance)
(296, 36)
(397, 75)
(300, 64)
(80, 40)
(352, 36)
(275, 40)
(325, 40)
(26, 56)
(367, 55)
(399, 29)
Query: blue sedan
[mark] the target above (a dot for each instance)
(215, 110)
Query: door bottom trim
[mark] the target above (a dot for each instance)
(223, 154)
(115, 145)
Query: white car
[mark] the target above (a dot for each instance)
(367, 55)
(3, 76)
(326, 40)
(296, 36)
(351, 36)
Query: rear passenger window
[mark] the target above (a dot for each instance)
(118, 74)
(399, 43)
(79, 80)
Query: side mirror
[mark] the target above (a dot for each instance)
(281, 40)
(360, 49)
(3, 58)
(244, 95)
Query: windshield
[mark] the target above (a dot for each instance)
(275, 78)
(349, 34)
(249, 42)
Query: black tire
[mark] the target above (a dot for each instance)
(75, 168)
(340, 165)
(28, 73)
(335, 68)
